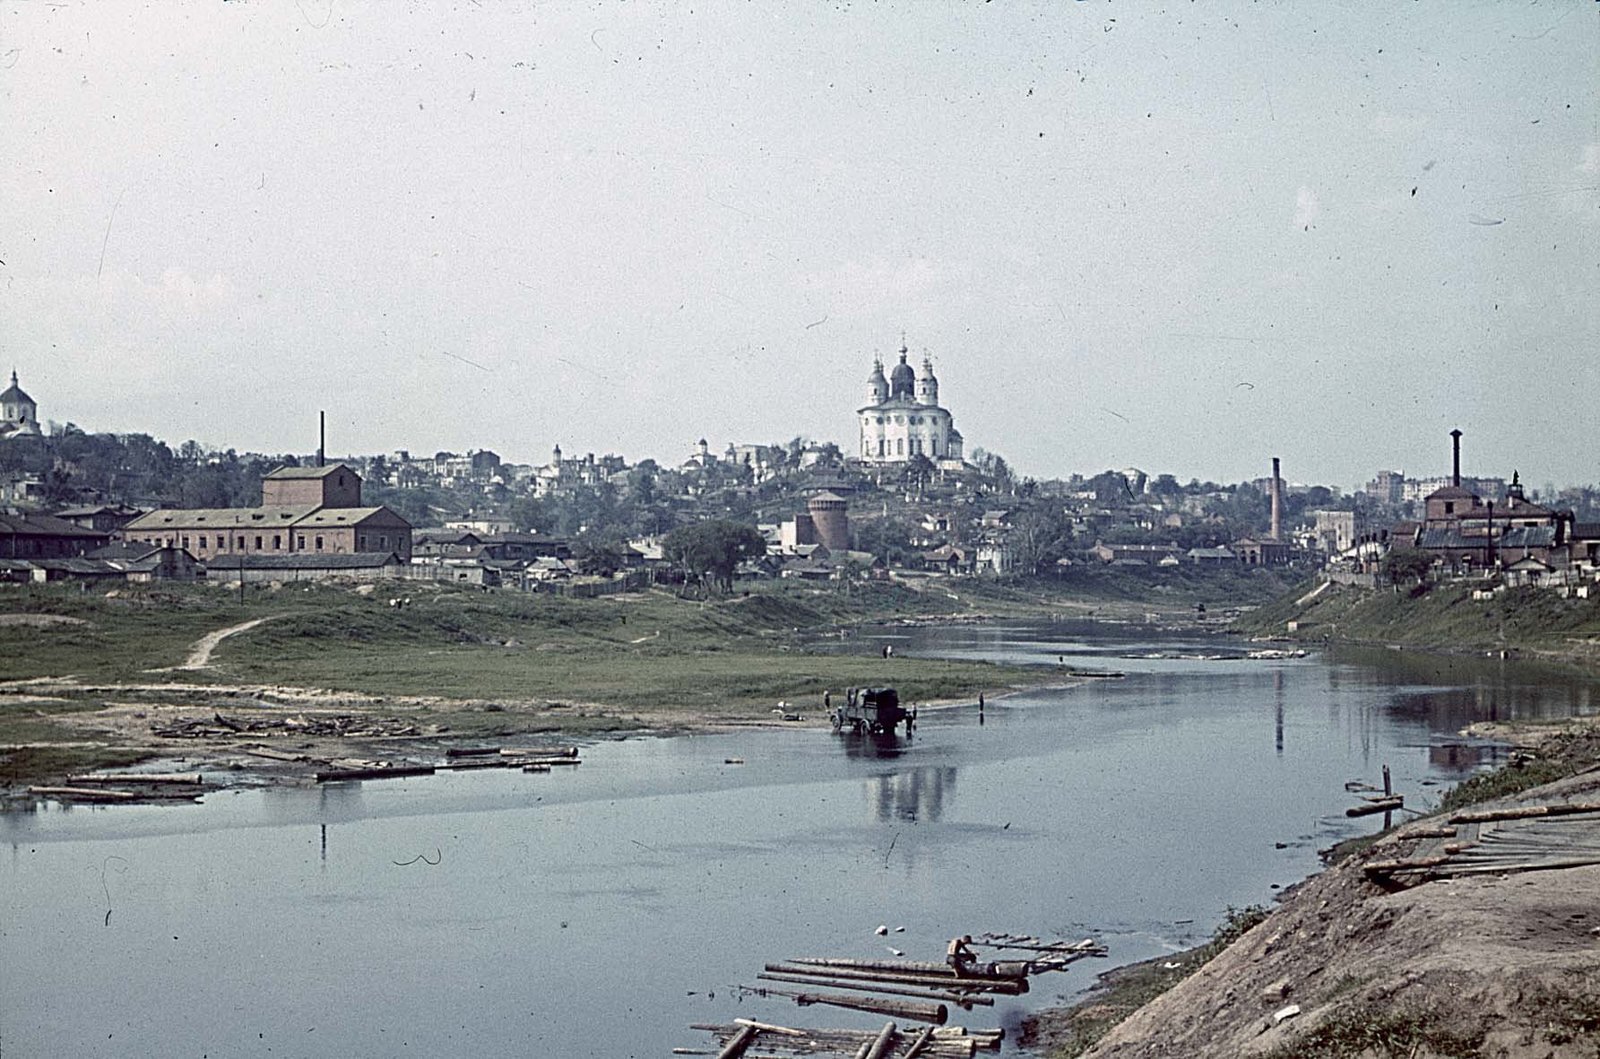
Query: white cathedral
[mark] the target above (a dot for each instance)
(902, 418)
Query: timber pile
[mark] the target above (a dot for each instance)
(910, 990)
(1500, 841)
(890, 1042)
(456, 759)
(336, 726)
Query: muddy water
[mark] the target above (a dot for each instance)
(599, 911)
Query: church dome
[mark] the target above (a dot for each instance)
(14, 394)
(877, 385)
(902, 380)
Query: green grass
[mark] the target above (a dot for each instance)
(501, 663)
(1440, 617)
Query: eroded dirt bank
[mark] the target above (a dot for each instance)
(1476, 956)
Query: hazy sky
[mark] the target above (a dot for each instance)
(1180, 237)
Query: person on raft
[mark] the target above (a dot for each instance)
(959, 954)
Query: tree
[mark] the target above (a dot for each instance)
(709, 552)
(599, 558)
(1038, 537)
(1407, 564)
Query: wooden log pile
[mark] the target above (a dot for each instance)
(1514, 839)
(336, 726)
(908, 990)
(890, 1042)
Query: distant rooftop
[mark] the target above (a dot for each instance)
(308, 472)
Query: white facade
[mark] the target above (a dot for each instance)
(902, 418)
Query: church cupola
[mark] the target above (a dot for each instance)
(902, 381)
(877, 385)
(928, 385)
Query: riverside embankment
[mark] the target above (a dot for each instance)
(1481, 954)
(663, 871)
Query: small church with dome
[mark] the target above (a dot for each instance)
(19, 415)
(902, 418)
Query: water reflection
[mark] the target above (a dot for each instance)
(1462, 759)
(869, 745)
(919, 794)
(1277, 694)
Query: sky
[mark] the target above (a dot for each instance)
(1184, 238)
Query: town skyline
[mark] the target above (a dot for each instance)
(298, 450)
(1126, 239)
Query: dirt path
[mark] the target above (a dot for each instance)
(200, 653)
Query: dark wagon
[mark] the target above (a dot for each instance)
(874, 710)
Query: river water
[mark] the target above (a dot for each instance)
(598, 911)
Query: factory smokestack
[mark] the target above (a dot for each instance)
(1277, 502)
(1455, 472)
(322, 436)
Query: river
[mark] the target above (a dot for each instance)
(599, 910)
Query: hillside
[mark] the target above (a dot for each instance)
(1519, 621)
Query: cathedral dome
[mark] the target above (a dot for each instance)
(902, 380)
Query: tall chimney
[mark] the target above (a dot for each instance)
(322, 436)
(1277, 502)
(1455, 473)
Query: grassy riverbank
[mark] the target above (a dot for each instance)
(92, 674)
(1529, 622)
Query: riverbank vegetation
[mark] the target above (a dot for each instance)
(1524, 621)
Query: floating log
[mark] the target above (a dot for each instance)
(536, 768)
(741, 1040)
(1009, 986)
(1381, 805)
(919, 1045)
(946, 1041)
(87, 794)
(548, 761)
(880, 1047)
(1088, 946)
(469, 764)
(539, 751)
(275, 755)
(471, 751)
(1521, 812)
(917, 1010)
(868, 986)
(786, 1031)
(190, 778)
(1006, 969)
(376, 772)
